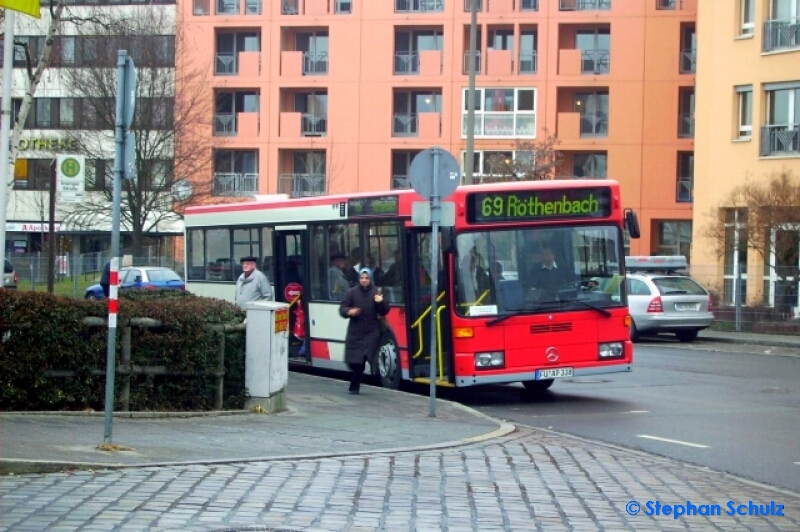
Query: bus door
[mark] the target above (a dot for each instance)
(289, 248)
(419, 312)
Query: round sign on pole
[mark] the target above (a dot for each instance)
(292, 291)
(421, 173)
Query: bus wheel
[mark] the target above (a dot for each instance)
(538, 386)
(389, 362)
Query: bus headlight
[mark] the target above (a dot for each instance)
(611, 350)
(490, 360)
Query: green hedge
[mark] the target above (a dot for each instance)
(40, 332)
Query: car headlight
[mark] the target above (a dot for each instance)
(490, 360)
(611, 350)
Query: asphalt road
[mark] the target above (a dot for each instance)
(733, 408)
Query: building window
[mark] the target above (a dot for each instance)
(401, 164)
(747, 13)
(314, 46)
(584, 5)
(33, 174)
(235, 173)
(402, 6)
(688, 63)
(744, 111)
(499, 165)
(306, 175)
(595, 47)
(343, 6)
(781, 31)
(674, 238)
(685, 177)
(590, 165)
(735, 258)
(502, 113)
(527, 52)
(781, 134)
(228, 106)
(407, 46)
(229, 45)
(407, 107)
(686, 112)
(593, 110)
(313, 109)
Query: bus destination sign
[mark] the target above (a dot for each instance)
(379, 206)
(535, 205)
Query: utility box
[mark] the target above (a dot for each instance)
(267, 355)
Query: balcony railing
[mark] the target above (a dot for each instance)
(405, 125)
(477, 62)
(529, 5)
(315, 63)
(225, 125)
(343, 6)
(401, 182)
(252, 7)
(227, 7)
(595, 61)
(468, 5)
(234, 184)
(302, 184)
(225, 65)
(594, 125)
(780, 140)
(585, 5)
(666, 4)
(313, 125)
(684, 193)
(686, 126)
(407, 63)
(528, 62)
(290, 7)
(688, 61)
(781, 34)
(419, 6)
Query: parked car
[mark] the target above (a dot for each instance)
(662, 299)
(10, 278)
(143, 278)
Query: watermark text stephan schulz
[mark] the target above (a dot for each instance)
(731, 508)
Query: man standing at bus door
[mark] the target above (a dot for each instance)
(252, 285)
(337, 282)
(363, 305)
(546, 276)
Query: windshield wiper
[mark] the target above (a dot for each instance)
(537, 307)
(601, 310)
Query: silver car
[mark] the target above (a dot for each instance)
(10, 278)
(666, 301)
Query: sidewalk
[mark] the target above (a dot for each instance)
(776, 340)
(323, 420)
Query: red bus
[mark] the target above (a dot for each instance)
(529, 284)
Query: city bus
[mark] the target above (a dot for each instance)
(495, 323)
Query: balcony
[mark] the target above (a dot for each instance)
(405, 125)
(528, 62)
(477, 62)
(315, 63)
(594, 125)
(585, 5)
(407, 63)
(666, 4)
(688, 61)
(313, 125)
(780, 140)
(780, 34)
(684, 193)
(529, 5)
(227, 7)
(239, 124)
(233, 184)
(418, 6)
(400, 182)
(595, 61)
(302, 184)
(290, 7)
(426, 125)
(686, 126)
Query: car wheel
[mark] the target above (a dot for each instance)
(389, 362)
(91, 297)
(538, 386)
(687, 336)
(635, 336)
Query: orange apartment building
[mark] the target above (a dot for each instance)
(330, 96)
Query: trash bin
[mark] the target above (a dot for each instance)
(267, 355)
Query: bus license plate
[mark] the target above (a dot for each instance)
(553, 373)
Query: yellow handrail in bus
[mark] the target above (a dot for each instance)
(295, 300)
(439, 341)
(418, 324)
(477, 301)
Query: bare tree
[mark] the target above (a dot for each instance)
(171, 133)
(532, 161)
(766, 221)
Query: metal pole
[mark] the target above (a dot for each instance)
(435, 206)
(5, 126)
(119, 140)
(51, 236)
(738, 301)
(473, 37)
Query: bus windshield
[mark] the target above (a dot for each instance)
(506, 271)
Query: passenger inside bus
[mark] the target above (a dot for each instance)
(546, 275)
(337, 281)
(394, 275)
(476, 282)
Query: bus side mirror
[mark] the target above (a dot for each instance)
(632, 223)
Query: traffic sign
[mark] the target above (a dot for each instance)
(421, 173)
(292, 291)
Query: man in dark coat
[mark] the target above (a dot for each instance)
(362, 305)
(547, 276)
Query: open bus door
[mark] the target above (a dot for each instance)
(419, 313)
(290, 265)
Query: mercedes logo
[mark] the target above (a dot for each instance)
(551, 354)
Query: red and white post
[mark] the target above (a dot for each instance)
(111, 357)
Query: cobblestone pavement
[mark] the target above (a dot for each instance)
(534, 480)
